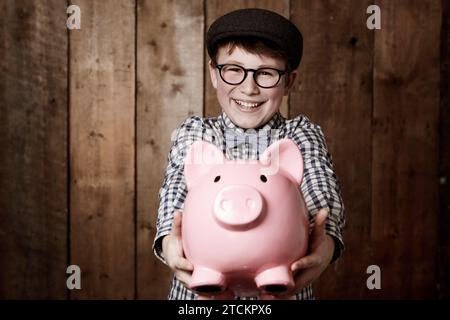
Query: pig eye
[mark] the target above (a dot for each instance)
(263, 178)
(216, 179)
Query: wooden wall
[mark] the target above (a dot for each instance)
(443, 260)
(34, 185)
(86, 118)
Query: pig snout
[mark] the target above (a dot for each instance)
(238, 205)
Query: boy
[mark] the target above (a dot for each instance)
(254, 56)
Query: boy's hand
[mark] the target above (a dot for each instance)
(172, 249)
(321, 249)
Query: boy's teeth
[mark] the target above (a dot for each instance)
(247, 104)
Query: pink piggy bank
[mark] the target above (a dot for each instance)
(244, 221)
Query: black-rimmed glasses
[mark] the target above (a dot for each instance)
(264, 77)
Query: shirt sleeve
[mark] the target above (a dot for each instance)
(173, 190)
(320, 185)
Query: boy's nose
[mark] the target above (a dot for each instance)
(249, 86)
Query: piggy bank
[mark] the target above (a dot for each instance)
(244, 221)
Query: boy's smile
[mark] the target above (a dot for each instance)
(247, 104)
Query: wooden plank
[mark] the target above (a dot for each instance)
(217, 8)
(444, 156)
(334, 90)
(405, 148)
(33, 156)
(102, 125)
(170, 89)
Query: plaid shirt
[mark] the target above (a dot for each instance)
(320, 185)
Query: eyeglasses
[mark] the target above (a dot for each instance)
(264, 77)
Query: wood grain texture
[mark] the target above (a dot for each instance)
(335, 91)
(217, 8)
(102, 151)
(444, 159)
(33, 154)
(405, 148)
(170, 89)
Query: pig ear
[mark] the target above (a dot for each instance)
(200, 158)
(285, 155)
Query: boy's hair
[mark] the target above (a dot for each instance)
(252, 45)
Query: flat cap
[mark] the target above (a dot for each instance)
(258, 23)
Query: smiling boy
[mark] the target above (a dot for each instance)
(254, 55)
